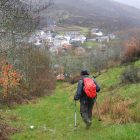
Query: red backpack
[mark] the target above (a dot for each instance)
(89, 87)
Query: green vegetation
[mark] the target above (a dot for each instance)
(56, 113)
(92, 44)
(61, 32)
(83, 31)
(92, 14)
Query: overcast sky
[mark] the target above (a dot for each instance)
(134, 3)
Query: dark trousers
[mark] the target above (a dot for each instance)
(86, 111)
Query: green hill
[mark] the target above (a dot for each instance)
(104, 14)
(53, 116)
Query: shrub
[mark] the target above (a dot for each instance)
(37, 79)
(130, 75)
(16, 95)
(75, 78)
(38, 74)
(131, 52)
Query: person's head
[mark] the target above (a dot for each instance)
(84, 72)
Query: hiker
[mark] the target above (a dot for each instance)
(86, 103)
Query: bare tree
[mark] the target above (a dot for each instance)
(18, 19)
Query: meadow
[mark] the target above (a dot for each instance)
(53, 117)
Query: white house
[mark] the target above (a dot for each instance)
(38, 41)
(64, 42)
(75, 38)
(82, 37)
(97, 32)
(112, 36)
(40, 32)
(67, 37)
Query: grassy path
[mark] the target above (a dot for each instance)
(56, 114)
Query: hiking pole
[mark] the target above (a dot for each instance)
(98, 111)
(75, 115)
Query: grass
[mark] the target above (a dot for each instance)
(83, 31)
(57, 113)
(92, 44)
(61, 32)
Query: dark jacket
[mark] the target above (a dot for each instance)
(80, 94)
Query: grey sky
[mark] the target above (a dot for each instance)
(134, 3)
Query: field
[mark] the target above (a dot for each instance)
(61, 30)
(53, 117)
(92, 44)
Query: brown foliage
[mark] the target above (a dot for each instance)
(75, 78)
(39, 73)
(38, 80)
(9, 77)
(131, 52)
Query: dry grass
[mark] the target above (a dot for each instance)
(14, 118)
(6, 130)
(115, 110)
(120, 112)
(135, 115)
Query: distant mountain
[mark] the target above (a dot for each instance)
(104, 14)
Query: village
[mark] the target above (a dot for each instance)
(62, 44)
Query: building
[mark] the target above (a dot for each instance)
(97, 32)
(67, 46)
(102, 39)
(79, 51)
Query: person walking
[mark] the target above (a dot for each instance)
(86, 103)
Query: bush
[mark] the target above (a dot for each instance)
(131, 52)
(37, 79)
(130, 75)
(75, 78)
(38, 74)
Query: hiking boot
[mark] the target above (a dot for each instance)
(88, 124)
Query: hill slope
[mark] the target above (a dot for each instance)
(53, 117)
(95, 13)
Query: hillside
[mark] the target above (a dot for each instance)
(53, 116)
(104, 14)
